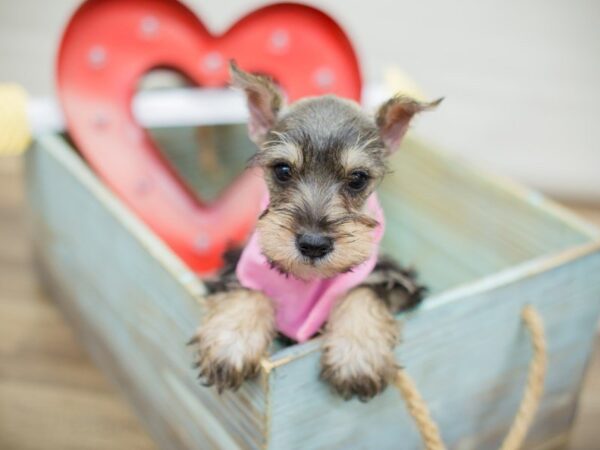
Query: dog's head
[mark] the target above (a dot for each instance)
(322, 157)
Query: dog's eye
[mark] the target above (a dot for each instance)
(358, 181)
(283, 172)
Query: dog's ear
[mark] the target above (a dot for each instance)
(394, 116)
(263, 97)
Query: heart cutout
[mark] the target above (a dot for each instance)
(110, 44)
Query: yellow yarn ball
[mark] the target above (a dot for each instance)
(400, 83)
(15, 135)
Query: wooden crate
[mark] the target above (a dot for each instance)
(484, 247)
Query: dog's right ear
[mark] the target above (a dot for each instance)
(263, 97)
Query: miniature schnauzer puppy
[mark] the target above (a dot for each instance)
(321, 157)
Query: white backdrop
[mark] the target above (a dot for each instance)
(521, 78)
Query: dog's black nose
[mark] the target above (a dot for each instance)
(314, 245)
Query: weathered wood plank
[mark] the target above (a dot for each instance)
(486, 250)
(438, 210)
(469, 358)
(134, 304)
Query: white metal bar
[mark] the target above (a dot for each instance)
(175, 107)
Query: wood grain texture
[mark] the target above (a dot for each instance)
(134, 305)
(51, 395)
(457, 224)
(469, 358)
(416, 329)
(157, 315)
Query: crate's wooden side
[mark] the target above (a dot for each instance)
(207, 158)
(439, 210)
(468, 357)
(134, 304)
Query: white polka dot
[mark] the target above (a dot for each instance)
(97, 56)
(212, 61)
(202, 242)
(324, 77)
(149, 26)
(279, 41)
(100, 120)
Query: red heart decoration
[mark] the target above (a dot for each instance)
(110, 44)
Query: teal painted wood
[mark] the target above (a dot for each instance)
(439, 211)
(135, 304)
(468, 356)
(187, 148)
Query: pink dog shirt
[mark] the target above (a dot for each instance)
(302, 307)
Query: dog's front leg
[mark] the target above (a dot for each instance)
(236, 332)
(358, 343)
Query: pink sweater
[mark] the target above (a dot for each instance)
(304, 306)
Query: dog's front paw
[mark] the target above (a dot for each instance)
(357, 368)
(358, 343)
(236, 333)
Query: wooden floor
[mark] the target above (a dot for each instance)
(51, 395)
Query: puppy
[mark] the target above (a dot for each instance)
(322, 159)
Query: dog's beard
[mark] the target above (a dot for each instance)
(353, 244)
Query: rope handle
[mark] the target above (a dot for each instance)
(529, 403)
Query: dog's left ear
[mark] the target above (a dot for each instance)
(394, 116)
(264, 100)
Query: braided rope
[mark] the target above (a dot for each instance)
(535, 381)
(529, 403)
(15, 135)
(420, 413)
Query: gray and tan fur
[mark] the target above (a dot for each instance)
(321, 158)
